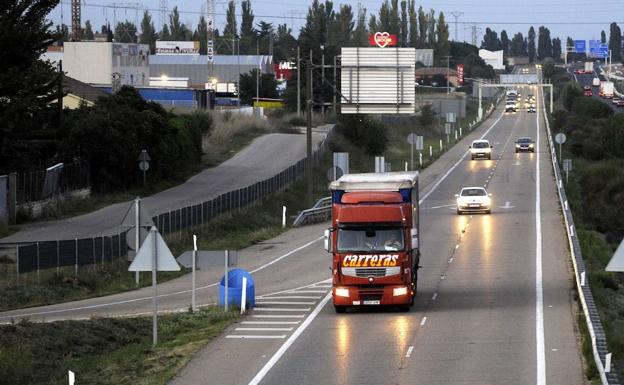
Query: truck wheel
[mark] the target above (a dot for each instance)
(488, 211)
(489, 157)
(340, 309)
(459, 212)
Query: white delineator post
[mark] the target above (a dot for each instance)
(225, 294)
(137, 234)
(194, 262)
(283, 217)
(154, 291)
(244, 296)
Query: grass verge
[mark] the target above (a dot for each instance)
(106, 351)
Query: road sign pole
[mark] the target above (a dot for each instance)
(309, 136)
(225, 295)
(194, 262)
(155, 292)
(560, 159)
(420, 158)
(137, 234)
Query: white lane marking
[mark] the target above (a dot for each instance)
(322, 286)
(539, 289)
(46, 312)
(424, 321)
(301, 289)
(281, 309)
(306, 291)
(438, 207)
(450, 260)
(435, 295)
(270, 322)
(252, 336)
(283, 303)
(450, 170)
(289, 297)
(293, 337)
(457, 246)
(409, 351)
(277, 316)
(264, 329)
(507, 206)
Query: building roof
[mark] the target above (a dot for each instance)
(83, 90)
(432, 71)
(218, 59)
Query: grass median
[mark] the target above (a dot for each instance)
(106, 351)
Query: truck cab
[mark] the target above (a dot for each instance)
(374, 240)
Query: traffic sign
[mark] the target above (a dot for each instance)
(143, 165)
(567, 165)
(412, 138)
(580, 46)
(617, 261)
(598, 50)
(450, 117)
(154, 244)
(560, 138)
(208, 258)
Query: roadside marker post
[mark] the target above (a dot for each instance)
(227, 254)
(283, 217)
(194, 262)
(72, 377)
(244, 296)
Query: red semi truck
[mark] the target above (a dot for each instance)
(374, 239)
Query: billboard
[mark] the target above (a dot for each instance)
(283, 70)
(382, 39)
(580, 46)
(460, 74)
(377, 80)
(177, 47)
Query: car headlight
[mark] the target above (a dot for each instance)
(531, 145)
(397, 291)
(342, 292)
(487, 202)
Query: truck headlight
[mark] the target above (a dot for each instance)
(342, 292)
(397, 291)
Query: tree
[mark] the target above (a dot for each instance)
(442, 37)
(247, 30)
(62, 32)
(615, 42)
(148, 32)
(285, 44)
(360, 35)
(531, 44)
(395, 22)
(556, 49)
(340, 30)
(177, 29)
(544, 43)
(230, 25)
(126, 32)
(28, 85)
(201, 35)
(267, 82)
(422, 28)
(165, 35)
(490, 40)
(504, 39)
(570, 93)
(413, 24)
(265, 36)
(517, 42)
(603, 37)
(385, 18)
(403, 39)
(431, 25)
(88, 31)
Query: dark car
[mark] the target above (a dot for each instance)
(525, 144)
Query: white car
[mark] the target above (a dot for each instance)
(480, 149)
(473, 199)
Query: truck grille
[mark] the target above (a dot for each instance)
(364, 272)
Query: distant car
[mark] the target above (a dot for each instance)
(620, 103)
(587, 88)
(588, 92)
(525, 144)
(531, 109)
(615, 101)
(473, 199)
(480, 149)
(579, 72)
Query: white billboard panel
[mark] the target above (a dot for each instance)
(177, 47)
(378, 80)
(519, 79)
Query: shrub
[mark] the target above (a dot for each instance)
(591, 108)
(364, 131)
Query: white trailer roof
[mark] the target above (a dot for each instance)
(388, 181)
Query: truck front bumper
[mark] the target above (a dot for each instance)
(372, 295)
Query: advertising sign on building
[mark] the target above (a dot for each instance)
(382, 39)
(460, 74)
(177, 47)
(283, 70)
(210, 52)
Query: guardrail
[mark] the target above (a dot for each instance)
(321, 211)
(592, 318)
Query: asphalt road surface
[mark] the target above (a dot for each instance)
(263, 158)
(587, 79)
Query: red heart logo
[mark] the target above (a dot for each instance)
(382, 39)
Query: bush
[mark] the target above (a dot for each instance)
(363, 131)
(591, 108)
(570, 93)
(297, 121)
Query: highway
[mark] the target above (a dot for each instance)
(494, 303)
(586, 80)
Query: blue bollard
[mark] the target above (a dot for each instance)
(235, 289)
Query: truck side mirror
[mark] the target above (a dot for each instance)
(414, 238)
(327, 240)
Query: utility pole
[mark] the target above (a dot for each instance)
(298, 82)
(258, 76)
(456, 15)
(60, 95)
(334, 93)
(448, 74)
(75, 16)
(309, 193)
(209, 32)
(322, 79)
(163, 14)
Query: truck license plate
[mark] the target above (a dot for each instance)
(371, 302)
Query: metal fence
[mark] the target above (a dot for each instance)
(197, 214)
(41, 184)
(36, 256)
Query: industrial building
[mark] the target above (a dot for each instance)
(225, 68)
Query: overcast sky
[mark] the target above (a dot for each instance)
(576, 18)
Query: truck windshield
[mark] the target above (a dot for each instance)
(367, 239)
